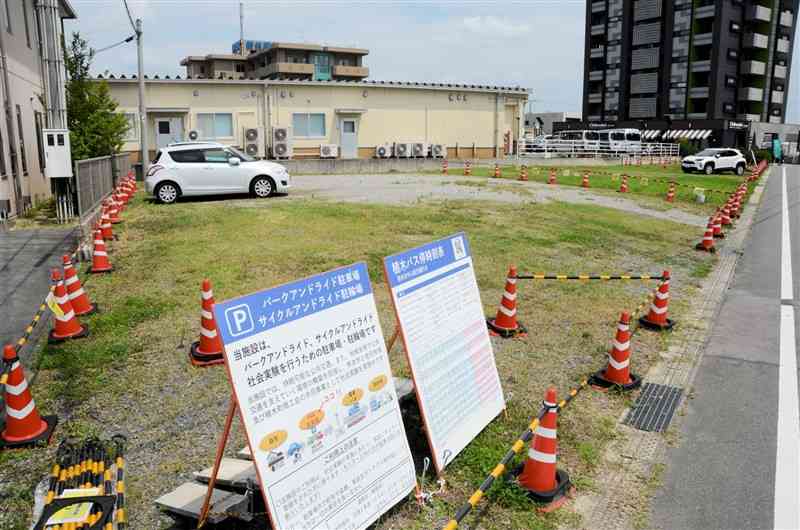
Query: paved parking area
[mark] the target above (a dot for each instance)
(26, 257)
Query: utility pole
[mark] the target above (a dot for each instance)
(241, 29)
(142, 105)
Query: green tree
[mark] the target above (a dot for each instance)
(96, 129)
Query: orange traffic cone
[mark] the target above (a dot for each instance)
(208, 350)
(725, 216)
(467, 168)
(100, 262)
(585, 181)
(523, 172)
(77, 296)
(66, 325)
(716, 223)
(496, 170)
(505, 324)
(671, 192)
(105, 226)
(24, 426)
(623, 187)
(444, 167)
(617, 371)
(539, 475)
(657, 318)
(707, 244)
(552, 178)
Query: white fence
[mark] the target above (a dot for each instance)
(596, 149)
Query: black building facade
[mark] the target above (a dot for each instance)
(687, 65)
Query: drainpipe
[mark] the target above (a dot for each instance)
(7, 104)
(267, 118)
(496, 120)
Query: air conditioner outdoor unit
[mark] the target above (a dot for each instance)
(383, 151)
(419, 150)
(254, 141)
(328, 151)
(282, 142)
(403, 150)
(438, 151)
(194, 135)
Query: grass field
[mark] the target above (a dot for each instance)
(648, 181)
(132, 374)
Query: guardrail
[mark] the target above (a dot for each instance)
(594, 149)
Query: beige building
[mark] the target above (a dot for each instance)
(277, 60)
(358, 117)
(30, 30)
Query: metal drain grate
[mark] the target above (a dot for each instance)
(654, 408)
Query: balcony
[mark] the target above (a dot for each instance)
(597, 52)
(596, 75)
(287, 68)
(705, 12)
(751, 94)
(596, 97)
(755, 40)
(697, 115)
(777, 97)
(758, 13)
(754, 67)
(780, 72)
(698, 92)
(786, 19)
(703, 39)
(598, 29)
(783, 46)
(350, 71)
(598, 7)
(701, 66)
(749, 117)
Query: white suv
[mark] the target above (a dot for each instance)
(711, 160)
(207, 168)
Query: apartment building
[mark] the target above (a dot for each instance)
(32, 96)
(280, 60)
(688, 64)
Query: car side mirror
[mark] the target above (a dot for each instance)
(717, 155)
(234, 161)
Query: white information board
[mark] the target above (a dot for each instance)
(310, 372)
(439, 309)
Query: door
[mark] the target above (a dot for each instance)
(349, 137)
(220, 175)
(168, 130)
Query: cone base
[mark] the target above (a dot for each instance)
(199, 359)
(98, 271)
(44, 436)
(719, 236)
(702, 248)
(654, 326)
(554, 496)
(93, 308)
(52, 338)
(599, 382)
(497, 331)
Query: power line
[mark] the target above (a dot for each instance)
(130, 18)
(120, 43)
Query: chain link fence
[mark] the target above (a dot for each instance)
(95, 179)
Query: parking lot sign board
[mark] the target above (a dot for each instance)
(441, 319)
(311, 375)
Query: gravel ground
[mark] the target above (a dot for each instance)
(408, 189)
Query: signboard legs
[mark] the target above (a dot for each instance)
(223, 441)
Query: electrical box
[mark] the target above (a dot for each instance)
(57, 156)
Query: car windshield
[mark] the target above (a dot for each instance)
(244, 157)
(707, 152)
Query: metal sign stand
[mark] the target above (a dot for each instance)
(226, 431)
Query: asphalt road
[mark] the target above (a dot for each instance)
(736, 465)
(26, 257)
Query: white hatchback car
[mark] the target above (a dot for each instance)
(716, 159)
(206, 168)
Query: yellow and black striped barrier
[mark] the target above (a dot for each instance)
(501, 468)
(30, 327)
(602, 277)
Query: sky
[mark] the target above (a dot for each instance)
(536, 44)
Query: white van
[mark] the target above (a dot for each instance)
(624, 140)
(580, 140)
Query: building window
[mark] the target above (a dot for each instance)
(27, 26)
(308, 125)
(8, 16)
(730, 81)
(132, 134)
(22, 159)
(733, 53)
(219, 125)
(37, 119)
(735, 27)
(240, 68)
(728, 108)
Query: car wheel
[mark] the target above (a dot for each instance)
(740, 169)
(166, 192)
(263, 187)
(709, 169)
